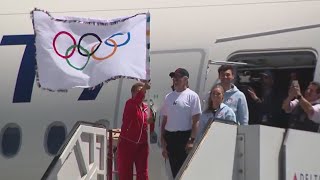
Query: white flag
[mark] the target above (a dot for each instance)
(83, 52)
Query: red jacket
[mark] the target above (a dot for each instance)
(135, 120)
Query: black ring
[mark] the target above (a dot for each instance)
(83, 36)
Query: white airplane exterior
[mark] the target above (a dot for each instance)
(183, 34)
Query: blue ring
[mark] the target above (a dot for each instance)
(118, 34)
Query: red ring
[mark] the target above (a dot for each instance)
(54, 44)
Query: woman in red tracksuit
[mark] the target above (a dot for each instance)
(133, 143)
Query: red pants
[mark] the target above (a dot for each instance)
(130, 153)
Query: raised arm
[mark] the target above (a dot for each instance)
(286, 105)
(306, 106)
(141, 94)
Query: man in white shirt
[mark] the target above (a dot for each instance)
(181, 112)
(305, 110)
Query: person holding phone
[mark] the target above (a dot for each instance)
(267, 106)
(304, 109)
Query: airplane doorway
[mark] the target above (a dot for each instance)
(278, 69)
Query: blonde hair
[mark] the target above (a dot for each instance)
(135, 87)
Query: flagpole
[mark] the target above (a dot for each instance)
(148, 77)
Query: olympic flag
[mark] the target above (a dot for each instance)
(84, 52)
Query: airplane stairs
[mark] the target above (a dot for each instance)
(82, 156)
(225, 151)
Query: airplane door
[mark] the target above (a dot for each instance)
(299, 46)
(290, 39)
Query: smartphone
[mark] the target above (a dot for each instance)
(295, 83)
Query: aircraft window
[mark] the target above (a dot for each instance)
(55, 136)
(104, 122)
(10, 140)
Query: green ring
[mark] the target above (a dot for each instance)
(86, 51)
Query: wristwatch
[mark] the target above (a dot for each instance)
(191, 139)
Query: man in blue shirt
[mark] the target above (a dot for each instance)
(233, 97)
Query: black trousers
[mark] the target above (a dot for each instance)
(176, 144)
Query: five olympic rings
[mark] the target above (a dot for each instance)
(84, 52)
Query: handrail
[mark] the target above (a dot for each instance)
(66, 142)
